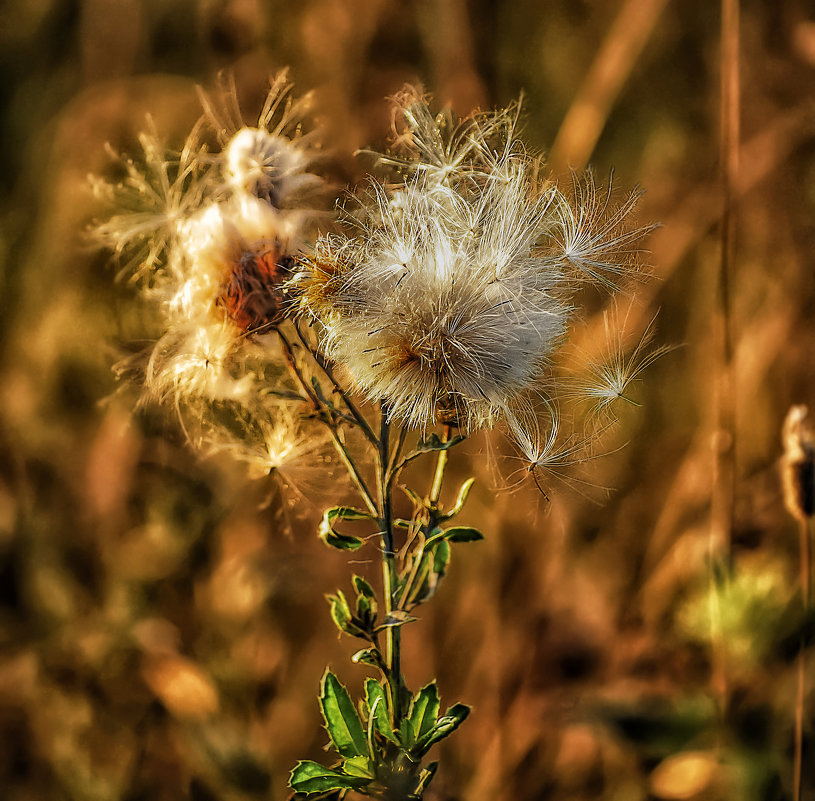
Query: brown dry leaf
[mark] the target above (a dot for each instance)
(186, 691)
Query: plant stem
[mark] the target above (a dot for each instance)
(393, 655)
(441, 464)
(806, 570)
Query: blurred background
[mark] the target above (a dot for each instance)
(163, 626)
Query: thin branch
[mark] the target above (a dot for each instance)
(324, 365)
(339, 445)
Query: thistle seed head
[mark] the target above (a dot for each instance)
(444, 309)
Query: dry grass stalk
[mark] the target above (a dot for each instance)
(799, 497)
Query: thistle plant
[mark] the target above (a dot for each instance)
(437, 306)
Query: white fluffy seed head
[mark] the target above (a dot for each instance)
(268, 166)
(446, 313)
(270, 159)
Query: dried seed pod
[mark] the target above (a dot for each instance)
(799, 464)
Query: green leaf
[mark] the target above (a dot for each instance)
(310, 777)
(445, 726)
(441, 559)
(358, 767)
(463, 494)
(425, 777)
(429, 445)
(331, 537)
(341, 719)
(363, 587)
(378, 708)
(423, 584)
(366, 602)
(342, 617)
(367, 656)
(406, 736)
(394, 619)
(435, 443)
(424, 710)
(462, 534)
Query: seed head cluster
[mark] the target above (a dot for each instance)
(444, 294)
(451, 298)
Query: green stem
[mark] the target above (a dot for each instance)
(389, 573)
(441, 464)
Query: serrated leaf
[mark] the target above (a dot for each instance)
(341, 719)
(377, 701)
(330, 536)
(311, 777)
(358, 767)
(424, 710)
(463, 494)
(462, 534)
(445, 726)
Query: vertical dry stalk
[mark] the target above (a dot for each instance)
(799, 496)
(724, 476)
(722, 501)
(611, 67)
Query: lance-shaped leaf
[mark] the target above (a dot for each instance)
(462, 534)
(367, 656)
(342, 617)
(366, 601)
(406, 736)
(429, 445)
(395, 619)
(424, 710)
(310, 777)
(341, 719)
(425, 777)
(435, 443)
(445, 725)
(377, 702)
(463, 494)
(330, 536)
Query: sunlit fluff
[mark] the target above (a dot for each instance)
(223, 283)
(270, 160)
(609, 378)
(159, 190)
(278, 445)
(446, 311)
(230, 261)
(452, 299)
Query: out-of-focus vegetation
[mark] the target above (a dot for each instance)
(162, 620)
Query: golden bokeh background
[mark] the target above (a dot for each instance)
(163, 626)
